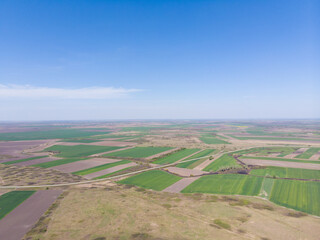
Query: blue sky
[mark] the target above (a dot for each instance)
(79, 60)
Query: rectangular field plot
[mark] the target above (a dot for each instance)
(155, 179)
(194, 163)
(138, 152)
(49, 134)
(11, 200)
(226, 184)
(81, 140)
(224, 162)
(280, 159)
(101, 167)
(308, 154)
(300, 195)
(23, 160)
(173, 157)
(210, 139)
(79, 150)
(58, 162)
(287, 173)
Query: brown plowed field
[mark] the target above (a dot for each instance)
(185, 172)
(84, 164)
(281, 164)
(180, 185)
(109, 170)
(37, 161)
(18, 222)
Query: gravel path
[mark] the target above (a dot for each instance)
(18, 222)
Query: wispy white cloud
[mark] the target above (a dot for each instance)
(27, 91)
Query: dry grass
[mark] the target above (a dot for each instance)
(121, 212)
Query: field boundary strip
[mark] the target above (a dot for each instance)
(107, 178)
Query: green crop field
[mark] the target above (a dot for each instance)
(308, 154)
(81, 140)
(274, 138)
(211, 139)
(99, 168)
(224, 162)
(226, 184)
(155, 179)
(138, 152)
(281, 159)
(114, 173)
(79, 150)
(58, 162)
(282, 150)
(300, 195)
(281, 172)
(23, 160)
(49, 134)
(11, 200)
(173, 157)
(194, 163)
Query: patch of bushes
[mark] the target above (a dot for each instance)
(262, 206)
(222, 224)
(296, 214)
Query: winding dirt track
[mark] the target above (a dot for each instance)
(18, 222)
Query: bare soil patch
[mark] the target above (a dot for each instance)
(18, 222)
(315, 156)
(259, 162)
(180, 185)
(84, 164)
(36, 161)
(109, 170)
(185, 172)
(296, 153)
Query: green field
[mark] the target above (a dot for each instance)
(211, 139)
(300, 195)
(49, 134)
(274, 138)
(280, 159)
(282, 172)
(173, 157)
(79, 150)
(224, 162)
(23, 160)
(138, 152)
(308, 154)
(58, 162)
(226, 184)
(194, 163)
(99, 168)
(81, 140)
(114, 173)
(154, 179)
(11, 200)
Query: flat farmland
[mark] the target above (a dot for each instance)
(194, 163)
(99, 168)
(287, 173)
(300, 195)
(224, 162)
(49, 134)
(155, 179)
(173, 157)
(280, 159)
(23, 160)
(210, 139)
(138, 152)
(79, 150)
(226, 184)
(308, 154)
(58, 162)
(11, 200)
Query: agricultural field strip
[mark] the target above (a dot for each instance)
(108, 178)
(280, 159)
(177, 156)
(116, 150)
(100, 167)
(23, 160)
